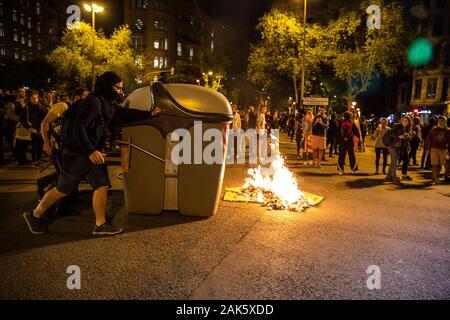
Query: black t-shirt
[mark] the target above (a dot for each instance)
(318, 129)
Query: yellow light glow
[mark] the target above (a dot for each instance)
(87, 7)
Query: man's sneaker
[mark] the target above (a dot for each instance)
(106, 230)
(36, 225)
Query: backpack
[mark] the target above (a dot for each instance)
(347, 131)
(67, 121)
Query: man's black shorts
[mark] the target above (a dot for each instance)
(75, 167)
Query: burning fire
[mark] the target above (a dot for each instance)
(276, 189)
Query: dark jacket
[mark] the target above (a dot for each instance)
(92, 123)
(36, 115)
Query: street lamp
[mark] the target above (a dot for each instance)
(94, 8)
(302, 92)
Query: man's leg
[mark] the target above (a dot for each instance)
(99, 202)
(377, 159)
(49, 199)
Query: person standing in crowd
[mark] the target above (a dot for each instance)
(11, 120)
(37, 113)
(364, 128)
(261, 125)
(82, 155)
(396, 139)
(275, 120)
(22, 136)
(245, 120)
(236, 125)
(298, 134)
(415, 141)
(332, 135)
(357, 139)
(326, 122)
(252, 118)
(318, 140)
(348, 131)
(290, 126)
(380, 147)
(438, 146)
(405, 148)
(307, 126)
(425, 162)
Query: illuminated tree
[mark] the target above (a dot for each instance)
(73, 58)
(356, 53)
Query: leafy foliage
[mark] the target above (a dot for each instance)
(73, 58)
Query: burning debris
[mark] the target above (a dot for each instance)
(275, 189)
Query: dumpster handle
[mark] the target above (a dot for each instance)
(142, 150)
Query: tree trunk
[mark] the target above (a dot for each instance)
(294, 78)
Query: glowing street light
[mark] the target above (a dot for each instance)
(94, 8)
(210, 73)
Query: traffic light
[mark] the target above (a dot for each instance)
(172, 71)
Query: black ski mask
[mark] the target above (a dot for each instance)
(104, 86)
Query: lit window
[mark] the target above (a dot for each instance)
(39, 46)
(1, 9)
(29, 23)
(14, 15)
(2, 30)
(50, 30)
(38, 8)
(22, 39)
(24, 57)
(16, 54)
(30, 43)
(191, 54)
(431, 88)
(15, 35)
(139, 24)
(2, 50)
(22, 19)
(38, 27)
(156, 44)
(212, 45)
(155, 62)
(179, 50)
(166, 44)
(165, 62)
(161, 62)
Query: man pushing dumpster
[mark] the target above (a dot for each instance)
(84, 132)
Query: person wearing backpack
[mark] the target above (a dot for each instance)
(84, 134)
(348, 131)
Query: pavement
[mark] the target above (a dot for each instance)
(243, 251)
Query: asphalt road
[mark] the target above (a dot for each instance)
(244, 251)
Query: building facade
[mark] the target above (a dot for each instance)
(30, 29)
(172, 33)
(428, 90)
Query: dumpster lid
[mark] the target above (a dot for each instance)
(199, 99)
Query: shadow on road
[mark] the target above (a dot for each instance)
(15, 236)
(369, 183)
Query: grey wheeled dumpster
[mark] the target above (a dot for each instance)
(153, 181)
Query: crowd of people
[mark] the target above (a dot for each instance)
(344, 135)
(25, 116)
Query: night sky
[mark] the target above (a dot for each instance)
(240, 14)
